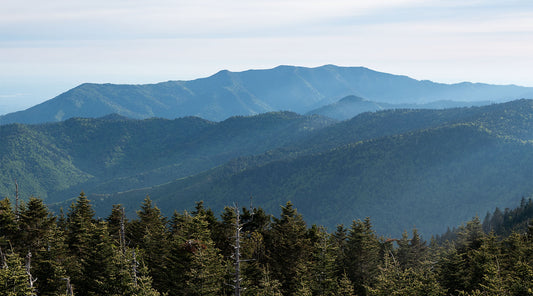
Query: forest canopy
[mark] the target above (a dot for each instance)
(75, 253)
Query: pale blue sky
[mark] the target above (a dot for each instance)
(45, 51)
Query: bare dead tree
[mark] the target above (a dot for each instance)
(123, 232)
(16, 200)
(134, 267)
(31, 281)
(3, 258)
(237, 254)
(237, 250)
(69, 287)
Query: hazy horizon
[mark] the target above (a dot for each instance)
(45, 51)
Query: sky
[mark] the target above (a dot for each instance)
(47, 48)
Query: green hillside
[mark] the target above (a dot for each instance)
(404, 168)
(56, 161)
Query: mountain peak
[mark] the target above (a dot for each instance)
(351, 99)
(226, 94)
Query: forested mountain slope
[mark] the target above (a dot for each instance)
(403, 168)
(227, 94)
(58, 160)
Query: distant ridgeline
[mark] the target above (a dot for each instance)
(248, 252)
(404, 168)
(284, 88)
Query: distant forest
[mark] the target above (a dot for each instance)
(249, 252)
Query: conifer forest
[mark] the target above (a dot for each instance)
(247, 251)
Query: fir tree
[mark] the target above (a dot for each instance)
(14, 280)
(8, 223)
(151, 235)
(363, 255)
(322, 268)
(288, 248)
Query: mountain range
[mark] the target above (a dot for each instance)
(427, 169)
(349, 143)
(404, 168)
(284, 88)
(57, 160)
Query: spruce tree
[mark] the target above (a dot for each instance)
(322, 269)
(288, 249)
(8, 223)
(14, 280)
(79, 222)
(205, 270)
(50, 264)
(97, 263)
(150, 234)
(35, 224)
(79, 232)
(362, 255)
(266, 286)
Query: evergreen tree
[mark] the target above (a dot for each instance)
(35, 223)
(395, 280)
(340, 239)
(14, 281)
(97, 263)
(79, 222)
(150, 234)
(345, 286)
(322, 268)
(143, 285)
(8, 223)
(116, 224)
(50, 264)
(516, 267)
(197, 265)
(459, 269)
(363, 255)
(205, 270)
(266, 286)
(79, 229)
(411, 252)
(288, 249)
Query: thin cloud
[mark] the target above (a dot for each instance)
(141, 41)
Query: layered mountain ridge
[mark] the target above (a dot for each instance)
(284, 88)
(404, 168)
(407, 153)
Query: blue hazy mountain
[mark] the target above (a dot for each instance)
(284, 88)
(351, 106)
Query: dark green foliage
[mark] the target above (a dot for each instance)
(288, 249)
(515, 220)
(35, 224)
(426, 162)
(403, 168)
(13, 278)
(97, 263)
(150, 234)
(103, 156)
(322, 269)
(8, 225)
(362, 255)
(289, 258)
(80, 220)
